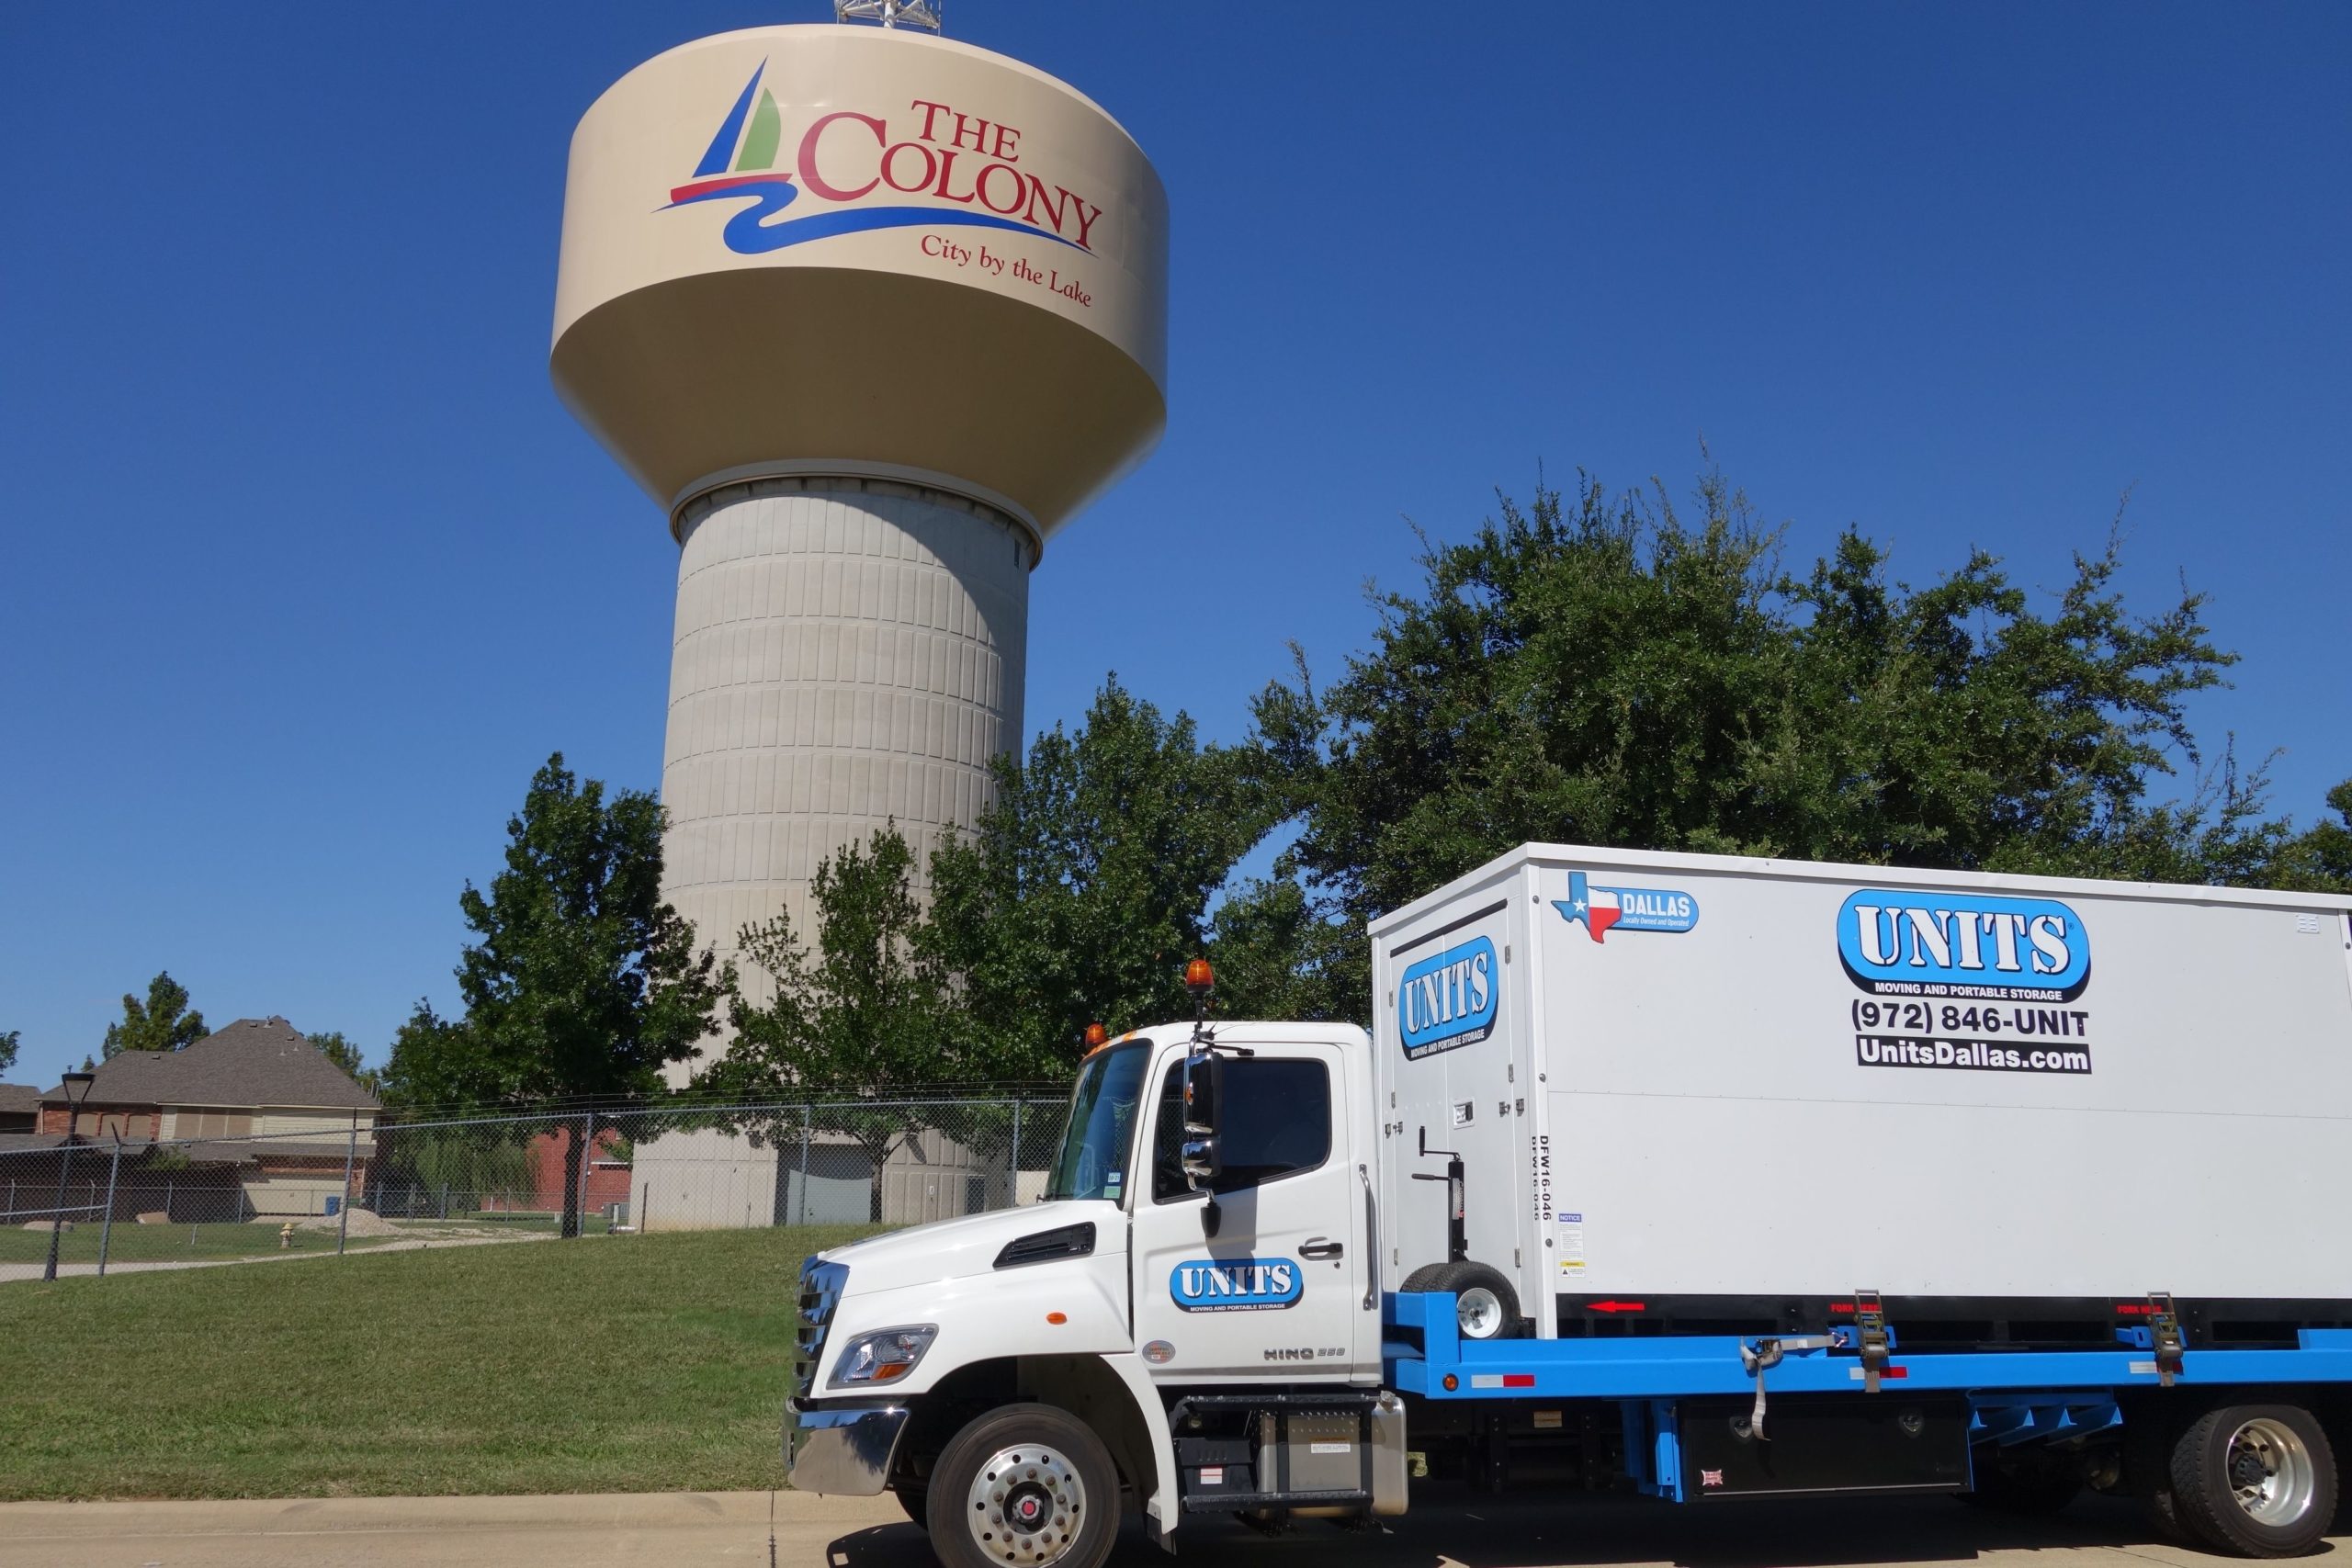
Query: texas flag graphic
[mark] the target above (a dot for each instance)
(1603, 909)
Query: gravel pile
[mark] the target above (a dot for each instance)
(363, 1222)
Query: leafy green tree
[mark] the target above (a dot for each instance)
(455, 1171)
(2320, 859)
(582, 983)
(427, 1059)
(1088, 883)
(861, 1018)
(1598, 669)
(339, 1049)
(8, 1044)
(162, 1022)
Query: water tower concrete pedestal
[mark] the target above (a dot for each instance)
(869, 315)
(849, 654)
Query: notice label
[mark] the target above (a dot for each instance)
(1571, 1239)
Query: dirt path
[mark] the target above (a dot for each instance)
(10, 1273)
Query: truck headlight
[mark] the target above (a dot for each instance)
(882, 1356)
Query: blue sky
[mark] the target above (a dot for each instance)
(304, 568)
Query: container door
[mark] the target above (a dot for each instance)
(1274, 1287)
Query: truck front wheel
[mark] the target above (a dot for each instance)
(1024, 1485)
(2257, 1480)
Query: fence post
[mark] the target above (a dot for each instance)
(343, 1204)
(1012, 1198)
(106, 1231)
(587, 1146)
(800, 1210)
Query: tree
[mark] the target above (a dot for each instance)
(8, 1044)
(162, 1022)
(336, 1048)
(1595, 670)
(1088, 883)
(582, 983)
(861, 1019)
(2320, 861)
(428, 1059)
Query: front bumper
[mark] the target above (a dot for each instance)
(841, 1449)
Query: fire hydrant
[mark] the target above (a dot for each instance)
(286, 1235)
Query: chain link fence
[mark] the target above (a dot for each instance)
(218, 1188)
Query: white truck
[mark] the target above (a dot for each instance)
(1695, 1177)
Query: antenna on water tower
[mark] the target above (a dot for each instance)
(889, 13)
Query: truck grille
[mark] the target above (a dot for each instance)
(820, 1292)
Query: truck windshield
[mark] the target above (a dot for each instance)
(1096, 1146)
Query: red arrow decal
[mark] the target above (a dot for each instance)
(1616, 1306)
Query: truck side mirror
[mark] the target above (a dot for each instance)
(1204, 1095)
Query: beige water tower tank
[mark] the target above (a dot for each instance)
(868, 314)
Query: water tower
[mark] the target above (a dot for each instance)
(869, 314)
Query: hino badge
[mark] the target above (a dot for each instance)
(1689, 1176)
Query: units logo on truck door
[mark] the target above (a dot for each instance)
(1448, 1000)
(1604, 909)
(1235, 1284)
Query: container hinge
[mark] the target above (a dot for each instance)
(1869, 1321)
(1754, 1359)
(2164, 1333)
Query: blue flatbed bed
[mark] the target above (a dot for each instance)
(2012, 1396)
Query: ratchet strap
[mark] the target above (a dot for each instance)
(1754, 1359)
(2164, 1334)
(1869, 1321)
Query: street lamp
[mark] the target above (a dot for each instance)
(65, 1162)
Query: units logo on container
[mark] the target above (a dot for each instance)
(1448, 1000)
(1604, 909)
(963, 170)
(1235, 1284)
(1979, 946)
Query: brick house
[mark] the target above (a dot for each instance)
(19, 1104)
(261, 1121)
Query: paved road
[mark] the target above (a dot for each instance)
(689, 1529)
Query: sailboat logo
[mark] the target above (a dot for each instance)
(844, 156)
(1604, 909)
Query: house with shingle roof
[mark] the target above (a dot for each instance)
(256, 1117)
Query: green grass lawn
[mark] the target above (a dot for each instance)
(608, 1364)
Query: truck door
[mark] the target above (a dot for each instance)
(1273, 1287)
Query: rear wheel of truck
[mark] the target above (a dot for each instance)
(1024, 1485)
(1484, 1306)
(2257, 1480)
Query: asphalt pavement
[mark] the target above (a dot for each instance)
(688, 1529)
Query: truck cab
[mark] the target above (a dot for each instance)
(1020, 1367)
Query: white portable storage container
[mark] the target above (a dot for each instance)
(1709, 1080)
